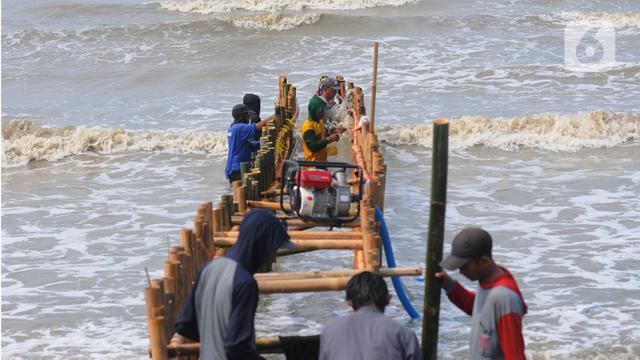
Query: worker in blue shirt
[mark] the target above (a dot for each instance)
(240, 140)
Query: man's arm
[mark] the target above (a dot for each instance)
(509, 310)
(316, 145)
(264, 122)
(510, 336)
(239, 340)
(255, 145)
(187, 322)
(458, 295)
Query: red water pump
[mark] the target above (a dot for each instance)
(320, 190)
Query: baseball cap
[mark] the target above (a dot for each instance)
(469, 243)
(331, 83)
(239, 110)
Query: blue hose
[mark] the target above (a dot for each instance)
(391, 263)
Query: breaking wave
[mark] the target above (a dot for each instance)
(618, 20)
(548, 131)
(272, 21)
(24, 141)
(222, 6)
(274, 15)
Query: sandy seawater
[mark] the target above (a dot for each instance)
(565, 224)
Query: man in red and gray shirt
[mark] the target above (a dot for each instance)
(497, 307)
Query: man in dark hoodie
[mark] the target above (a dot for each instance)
(240, 137)
(497, 307)
(222, 304)
(252, 101)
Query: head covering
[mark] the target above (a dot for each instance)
(240, 112)
(469, 243)
(330, 83)
(316, 106)
(253, 102)
(261, 234)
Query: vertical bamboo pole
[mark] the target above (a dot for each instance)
(343, 90)
(155, 324)
(432, 284)
(281, 81)
(208, 218)
(372, 108)
(158, 340)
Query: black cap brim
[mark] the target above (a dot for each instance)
(453, 262)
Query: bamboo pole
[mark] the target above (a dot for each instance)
(264, 345)
(358, 260)
(319, 235)
(281, 81)
(157, 339)
(302, 285)
(432, 284)
(386, 272)
(372, 108)
(292, 221)
(208, 218)
(343, 91)
(267, 205)
(306, 244)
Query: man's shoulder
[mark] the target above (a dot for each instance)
(337, 322)
(393, 325)
(240, 126)
(243, 277)
(504, 297)
(308, 125)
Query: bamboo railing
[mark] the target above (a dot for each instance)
(216, 226)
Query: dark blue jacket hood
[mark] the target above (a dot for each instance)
(252, 101)
(261, 234)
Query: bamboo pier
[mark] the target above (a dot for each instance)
(216, 226)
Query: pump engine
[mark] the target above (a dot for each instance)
(322, 192)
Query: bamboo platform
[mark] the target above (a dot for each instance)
(215, 227)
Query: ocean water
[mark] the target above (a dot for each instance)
(113, 121)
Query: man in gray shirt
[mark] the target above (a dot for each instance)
(222, 304)
(367, 334)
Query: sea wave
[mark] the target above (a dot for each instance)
(547, 131)
(272, 21)
(223, 6)
(25, 140)
(274, 15)
(618, 20)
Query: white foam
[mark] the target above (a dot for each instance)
(24, 141)
(618, 20)
(272, 21)
(223, 6)
(547, 131)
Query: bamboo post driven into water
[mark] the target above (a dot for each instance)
(435, 238)
(372, 109)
